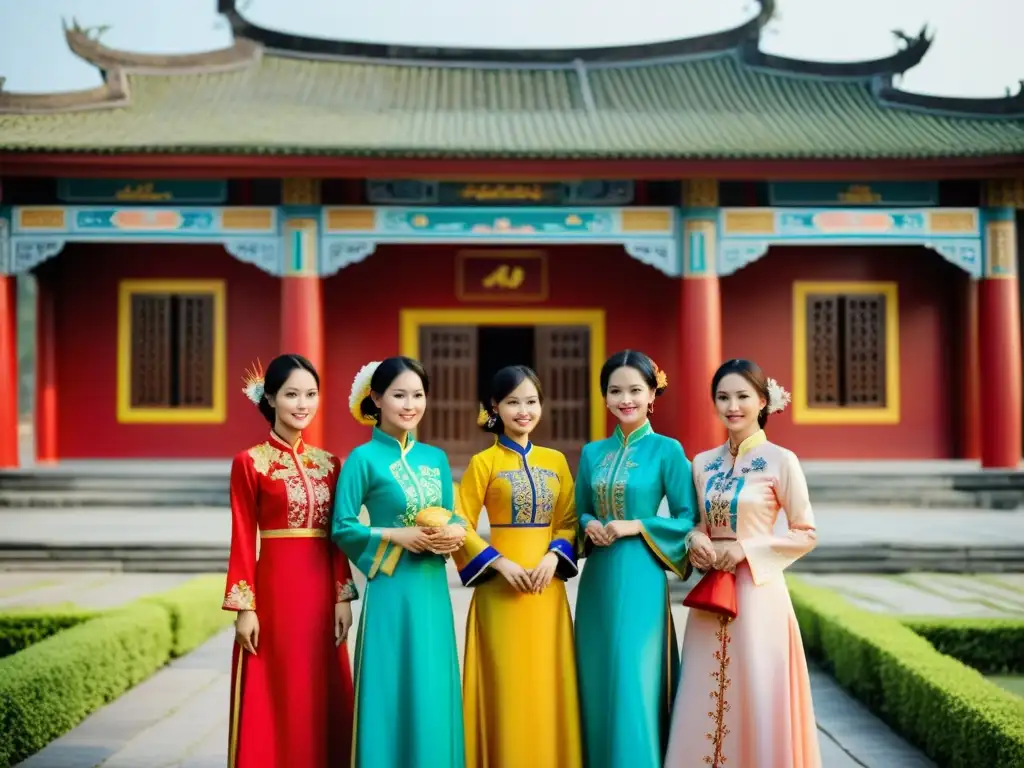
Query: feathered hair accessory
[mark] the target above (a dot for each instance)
(253, 380)
(361, 391)
(485, 418)
(778, 398)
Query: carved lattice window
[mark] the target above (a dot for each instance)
(846, 350)
(172, 350)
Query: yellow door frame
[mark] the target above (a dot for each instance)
(411, 320)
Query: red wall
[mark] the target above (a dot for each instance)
(85, 280)
(758, 324)
(362, 304)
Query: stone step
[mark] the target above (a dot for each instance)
(116, 497)
(155, 486)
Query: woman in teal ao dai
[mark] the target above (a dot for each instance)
(408, 699)
(626, 647)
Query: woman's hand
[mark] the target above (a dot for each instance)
(514, 574)
(247, 631)
(731, 556)
(621, 529)
(447, 539)
(543, 572)
(702, 551)
(342, 622)
(596, 532)
(414, 538)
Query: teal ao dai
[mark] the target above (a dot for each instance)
(408, 701)
(625, 640)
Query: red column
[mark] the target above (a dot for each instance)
(700, 318)
(46, 371)
(1000, 343)
(302, 318)
(970, 383)
(700, 354)
(8, 372)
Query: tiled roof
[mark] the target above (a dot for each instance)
(733, 103)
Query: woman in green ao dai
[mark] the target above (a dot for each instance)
(408, 699)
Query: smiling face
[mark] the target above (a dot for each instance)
(402, 404)
(738, 405)
(296, 402)
(520, 410)
(628, 397)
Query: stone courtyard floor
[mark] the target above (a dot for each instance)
(178, 718)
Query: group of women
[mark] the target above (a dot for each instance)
(538, 689)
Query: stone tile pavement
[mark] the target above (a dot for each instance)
(930, 594)
(179, 717)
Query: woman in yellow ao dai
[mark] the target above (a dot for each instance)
(519, 686)
(745, 696)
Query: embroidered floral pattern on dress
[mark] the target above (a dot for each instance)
(610, 481)
(345, 591)
(523, 498)
(757, 465)
(420, 492)
(714, 465)
(240, 597)
(719, 703)
(317, 466)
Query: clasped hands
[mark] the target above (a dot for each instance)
(528, 581)
(603, 534)
(441, 541)
(704, 556)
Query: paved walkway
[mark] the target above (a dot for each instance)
(178, 718)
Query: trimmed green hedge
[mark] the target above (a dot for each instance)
(195, 611)
(20, 628)
(959, 719)
(991, 646)
(51, 686)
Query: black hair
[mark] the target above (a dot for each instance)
(389, 370)
(276, 375)
(750, 371)
(639, 362)
(503, 384)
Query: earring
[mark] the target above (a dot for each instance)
(492, 419)
(650, 407)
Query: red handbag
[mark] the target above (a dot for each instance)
(715, 593)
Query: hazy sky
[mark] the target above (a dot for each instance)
(978, 49)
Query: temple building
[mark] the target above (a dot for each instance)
(698, 199)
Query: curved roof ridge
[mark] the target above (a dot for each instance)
(1010, 106)
(113, 92)
(240, 54)
(285, 44)
(899, 62)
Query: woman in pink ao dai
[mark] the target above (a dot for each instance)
(744, 699)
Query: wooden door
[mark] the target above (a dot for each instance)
(449, 354)
(563, 355)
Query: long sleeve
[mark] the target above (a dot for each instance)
(476, 555)
(700, 526)
(768, 556)
(344, 587)
(584, 504)
(240, 594)
(360, 543)
(666, 536)
(563, 524)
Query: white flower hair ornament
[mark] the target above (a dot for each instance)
(253, 381)
(778, 398)
(361, 391)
